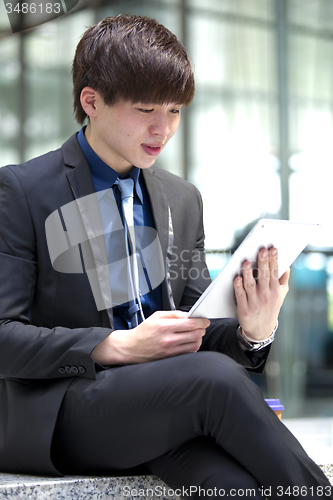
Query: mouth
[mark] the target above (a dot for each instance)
(151, 149)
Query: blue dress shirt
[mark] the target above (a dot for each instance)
(104, 178)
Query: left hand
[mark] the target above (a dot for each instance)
(259, 302)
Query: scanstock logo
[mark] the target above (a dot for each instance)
(88, 236)
(26, 15)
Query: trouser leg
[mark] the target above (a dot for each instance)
(201, 469)
(136, 413)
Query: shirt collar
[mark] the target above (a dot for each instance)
(104, 176)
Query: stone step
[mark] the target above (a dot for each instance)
(15, 486)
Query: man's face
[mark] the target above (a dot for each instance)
(125, 134)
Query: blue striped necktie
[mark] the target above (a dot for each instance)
(126, 187)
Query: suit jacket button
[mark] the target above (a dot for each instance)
(68, 369)
(82, 369)
(75, 369)
(61, 370)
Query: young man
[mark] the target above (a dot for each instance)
(92, 382)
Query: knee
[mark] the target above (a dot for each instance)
(214, 369)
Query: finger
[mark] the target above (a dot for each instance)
(249, 283)
(171, 314)
(176, 321)
(274, 268)
(176, 343)
(241, 296)
(190, 324)
(264, 273)
(185, 348)
(284, 280)
(192, 336)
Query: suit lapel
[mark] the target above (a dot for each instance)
(78, 175)
(160, 208)
(163, 222)
(82, 186)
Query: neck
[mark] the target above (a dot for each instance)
(104, 153)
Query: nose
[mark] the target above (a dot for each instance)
(160, 125)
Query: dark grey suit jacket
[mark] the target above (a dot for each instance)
(49, 323)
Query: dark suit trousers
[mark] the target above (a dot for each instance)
(196, 420)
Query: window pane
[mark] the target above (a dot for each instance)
(311, 129)
(9, 103)
(262, 9)
(233, 125)
(316, 14)
(233, 164)
(49, 53)
(312, 80)
(165, 12)
(4, 21)
(238, 56)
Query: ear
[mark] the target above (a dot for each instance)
(88, 99)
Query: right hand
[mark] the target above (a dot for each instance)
(163, 334)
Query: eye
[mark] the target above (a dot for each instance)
(175, 111)
(143, 110)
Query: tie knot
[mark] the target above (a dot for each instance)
(126, 187)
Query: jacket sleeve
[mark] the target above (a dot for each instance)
(221, 337)
(28, 351)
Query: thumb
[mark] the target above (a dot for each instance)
(175, 314)
(285, 278)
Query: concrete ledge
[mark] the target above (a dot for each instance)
(15, 486)
(328, 471)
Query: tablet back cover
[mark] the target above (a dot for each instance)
(290, 238)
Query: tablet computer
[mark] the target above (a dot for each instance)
(290, 239)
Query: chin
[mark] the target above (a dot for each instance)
(145, 166)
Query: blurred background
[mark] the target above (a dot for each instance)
(260, 127)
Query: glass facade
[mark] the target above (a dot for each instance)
(256, 141)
